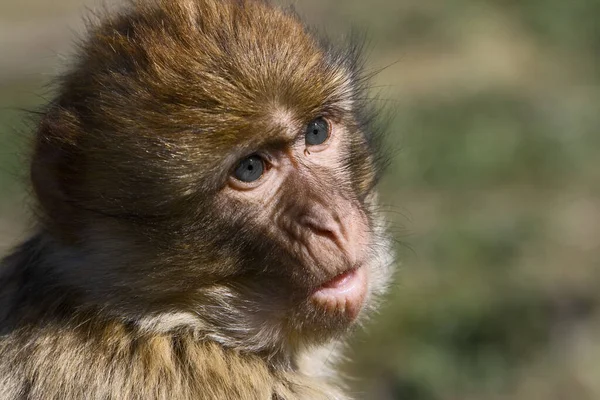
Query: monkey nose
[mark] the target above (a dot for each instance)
(335, 229)
(323, 227)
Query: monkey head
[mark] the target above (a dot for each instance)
(210, 165)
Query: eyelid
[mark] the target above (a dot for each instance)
(238, 160)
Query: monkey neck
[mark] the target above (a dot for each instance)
(32, 288)
(30, 292)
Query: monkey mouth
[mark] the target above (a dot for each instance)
(344, 294)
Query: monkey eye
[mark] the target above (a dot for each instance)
(317, 132)
(250, 169)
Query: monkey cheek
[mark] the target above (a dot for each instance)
(343, 295)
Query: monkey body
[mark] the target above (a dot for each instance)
(208, 220)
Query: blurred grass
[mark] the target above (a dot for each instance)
(494, 193)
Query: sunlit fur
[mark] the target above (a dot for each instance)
(142, 280)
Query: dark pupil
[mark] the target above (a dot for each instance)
(249, 169)
(317, 132)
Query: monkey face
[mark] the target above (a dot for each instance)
(216, 161)
(301, 199)
(299, 208)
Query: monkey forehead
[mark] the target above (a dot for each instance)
(207, 64)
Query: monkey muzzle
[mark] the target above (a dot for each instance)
(333, 237)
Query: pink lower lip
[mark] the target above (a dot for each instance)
(343, 294)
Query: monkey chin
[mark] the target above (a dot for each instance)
(344, 295)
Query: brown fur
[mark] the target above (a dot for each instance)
(143, 281)
(112, 361)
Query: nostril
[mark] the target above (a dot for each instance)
(326, 233)
(321, 228)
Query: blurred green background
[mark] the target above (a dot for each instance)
(493, 194)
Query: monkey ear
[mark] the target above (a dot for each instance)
(55, 170)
